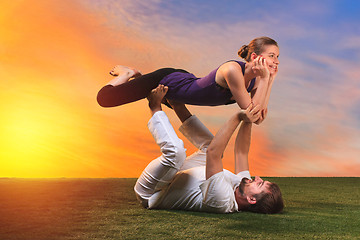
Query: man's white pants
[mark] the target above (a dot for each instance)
(162, 170)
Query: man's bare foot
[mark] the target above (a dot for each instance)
(155, 98)
(123, 70)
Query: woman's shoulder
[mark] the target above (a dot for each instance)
(235, 63)
(231, 66)
(229, 70)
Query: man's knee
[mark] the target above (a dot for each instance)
(174, 155)
(144, 202)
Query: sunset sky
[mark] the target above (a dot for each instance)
(56, 55)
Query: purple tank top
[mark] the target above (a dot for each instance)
(186, 88)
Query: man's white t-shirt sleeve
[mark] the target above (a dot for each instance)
(218, 194)
(244, 174)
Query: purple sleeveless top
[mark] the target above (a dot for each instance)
(188, 89)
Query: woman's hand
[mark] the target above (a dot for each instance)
(261, 68)
(251, 114)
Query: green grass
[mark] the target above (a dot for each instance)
(316, 208)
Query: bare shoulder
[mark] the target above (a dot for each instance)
(230, 68)
(229, 71)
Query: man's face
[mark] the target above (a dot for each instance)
(252, 187)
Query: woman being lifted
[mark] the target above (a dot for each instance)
(231, 82)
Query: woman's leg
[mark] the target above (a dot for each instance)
(160, 172)
(131, 91)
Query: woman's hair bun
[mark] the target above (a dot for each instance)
(243, 51)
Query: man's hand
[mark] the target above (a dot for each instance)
(251, 114)
(262, 116)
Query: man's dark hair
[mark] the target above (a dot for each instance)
(269, 201)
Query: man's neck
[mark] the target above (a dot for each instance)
(240, 200)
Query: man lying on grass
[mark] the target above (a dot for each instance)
(199, 182)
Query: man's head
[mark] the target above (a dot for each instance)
(259, 196)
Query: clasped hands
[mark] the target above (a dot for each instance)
(253, 114)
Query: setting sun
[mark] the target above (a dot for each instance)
(32, 133)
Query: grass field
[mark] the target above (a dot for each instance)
(316, 208)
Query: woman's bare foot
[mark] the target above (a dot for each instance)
(119, 70)
(137, 73)
(123, 74)
(155, 98)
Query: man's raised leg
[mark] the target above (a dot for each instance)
(161, 171)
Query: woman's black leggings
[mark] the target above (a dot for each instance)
(134, 90)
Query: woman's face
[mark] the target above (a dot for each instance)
(271, 54)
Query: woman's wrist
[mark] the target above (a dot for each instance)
(263, 79)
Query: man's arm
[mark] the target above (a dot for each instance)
(242, 147)
(218, 144)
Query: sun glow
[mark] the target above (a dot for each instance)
(28, 137)
(23, 138)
